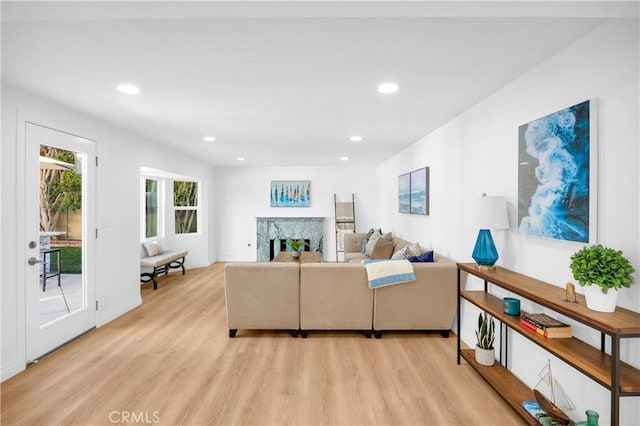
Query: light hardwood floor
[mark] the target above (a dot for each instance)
(171, 362)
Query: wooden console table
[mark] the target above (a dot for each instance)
(606, 369)
(305, 257)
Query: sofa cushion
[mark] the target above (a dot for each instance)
(400, 243)
(427, 256)
(383, 249)
(164, 258)
(354, 257)
(335, 296)
(372, 242)
(153, 248)
(262, 295)
(366, 240)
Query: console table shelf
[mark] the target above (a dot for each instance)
(606, 369)
(513, 391)
(584, 357)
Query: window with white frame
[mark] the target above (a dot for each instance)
(186, 206)
(152, 208)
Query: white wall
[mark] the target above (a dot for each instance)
(242, 194)
(121, 155)
(478, 152)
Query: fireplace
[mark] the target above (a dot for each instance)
(276, 246)
(272, 234)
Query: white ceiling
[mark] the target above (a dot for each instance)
(284, 83)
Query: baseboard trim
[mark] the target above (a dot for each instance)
(111, 314)
(11, 370)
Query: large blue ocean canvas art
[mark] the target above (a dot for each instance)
(419, 194)
(404, 193)
(556, 167)
(290, 193)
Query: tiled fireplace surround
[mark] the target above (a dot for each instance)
(270, 231)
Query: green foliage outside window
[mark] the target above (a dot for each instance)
(151, 208)
(185, 194)
(60, 190)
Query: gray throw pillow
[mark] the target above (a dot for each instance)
(153, 248)
(366, 240)
(372, 243)
(408, 251)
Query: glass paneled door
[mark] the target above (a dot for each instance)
(59, 238)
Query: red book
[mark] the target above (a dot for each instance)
(551, 333)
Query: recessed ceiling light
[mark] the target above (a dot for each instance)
(345, 158)
(355, 138)
(128, 89)
(209, 138)
(240, 158)
(388, 88)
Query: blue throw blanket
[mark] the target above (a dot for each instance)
(381, 273)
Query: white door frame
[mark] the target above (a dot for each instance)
(26, 234)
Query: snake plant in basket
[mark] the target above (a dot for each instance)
(486, 335)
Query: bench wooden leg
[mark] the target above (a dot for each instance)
(154, 278)
(174, 264)
(179, 263)
(145, 277)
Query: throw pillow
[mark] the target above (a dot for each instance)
(416, 249)
(388, 236)
(366, 240)
(382, 250)
(427, 256)
(408, 251)
(402, 253)
(153, 248)
(372, 243)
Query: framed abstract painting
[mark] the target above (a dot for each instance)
(290, 193)
(404, 193)
(420, 191)
(557, 175)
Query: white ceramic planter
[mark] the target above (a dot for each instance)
(295, 253)
(597, 301)
(485, 356)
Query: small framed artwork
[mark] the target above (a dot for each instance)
(557, 178)
(290, 193)
(420, 191)
(404, 193)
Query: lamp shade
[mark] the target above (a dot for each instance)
(488, 213)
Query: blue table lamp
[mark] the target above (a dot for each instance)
(487, 213)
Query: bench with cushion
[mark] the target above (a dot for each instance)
(154, 256)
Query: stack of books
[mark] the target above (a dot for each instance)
(546, 326)
(538, 413)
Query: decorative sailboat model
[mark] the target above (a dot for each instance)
(551, 397)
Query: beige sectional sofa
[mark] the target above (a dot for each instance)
(336, 296)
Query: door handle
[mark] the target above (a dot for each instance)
(32, 261)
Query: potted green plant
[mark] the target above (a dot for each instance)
(486, 335)
(296, 246)
(602, 271)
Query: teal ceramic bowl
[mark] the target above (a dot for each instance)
(511, 306)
